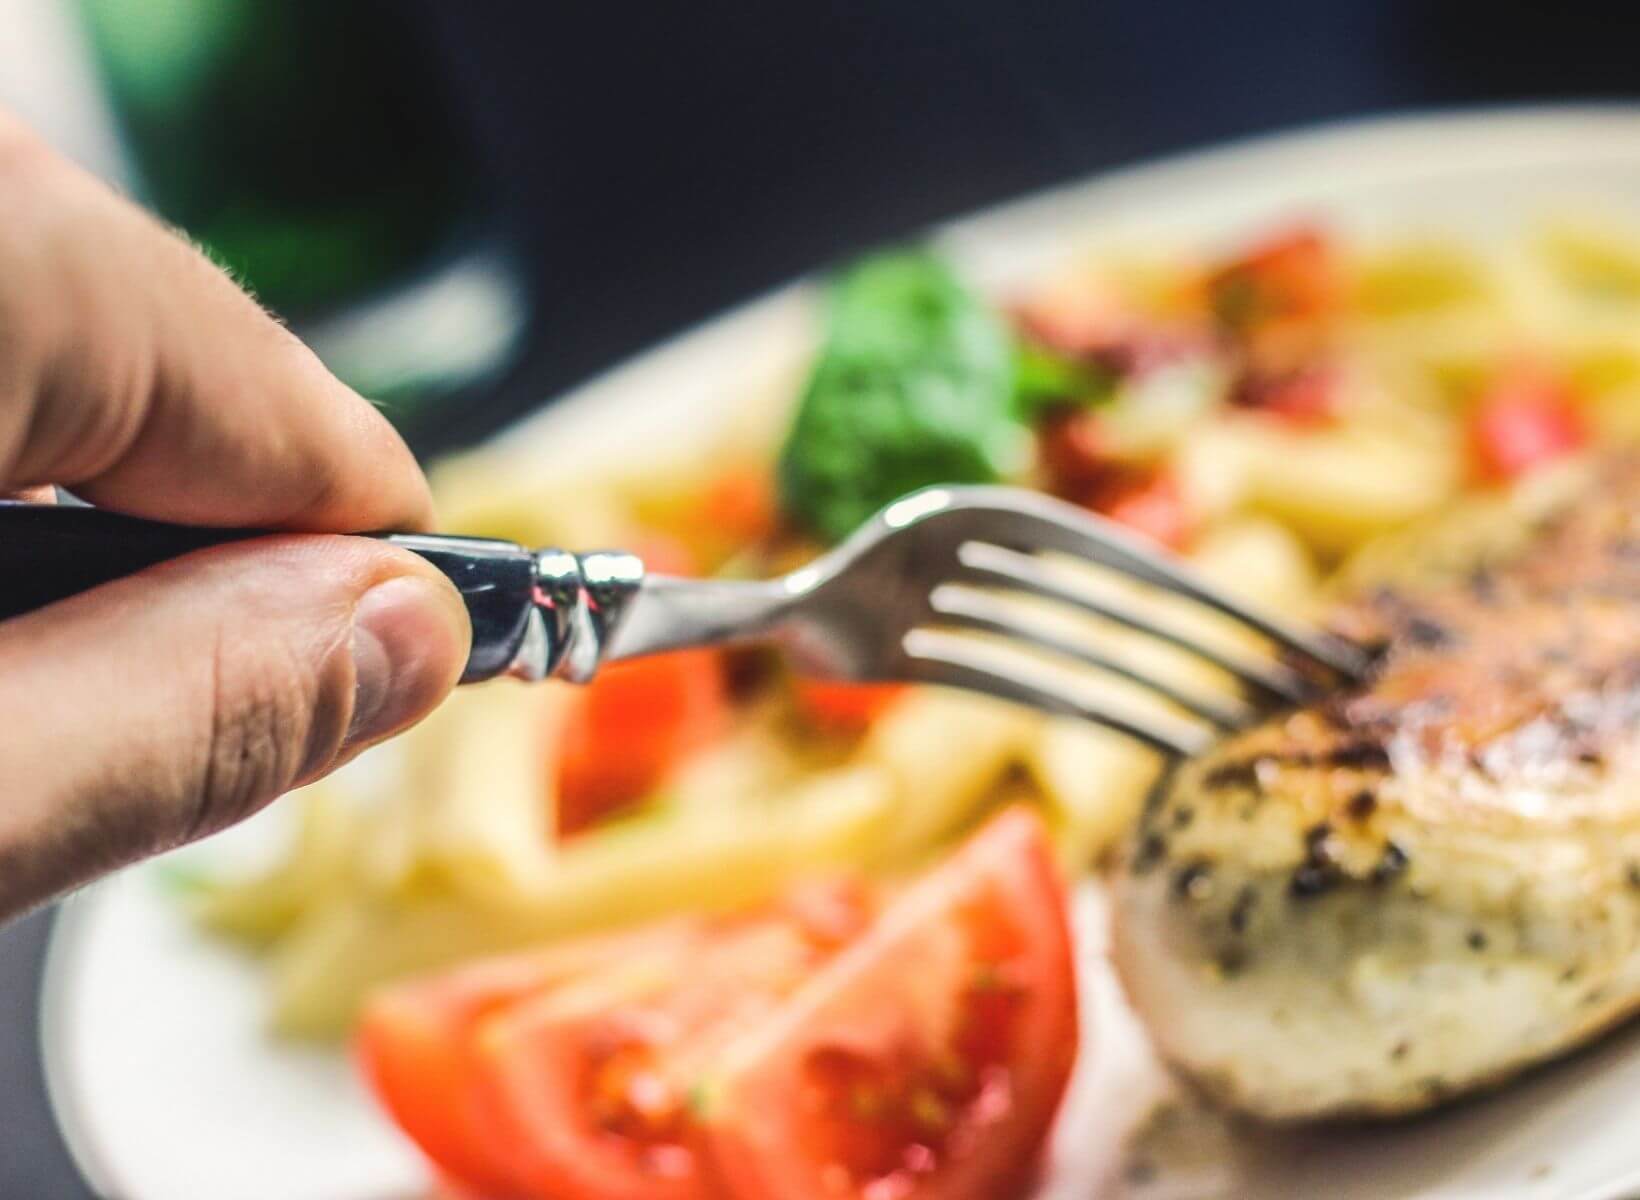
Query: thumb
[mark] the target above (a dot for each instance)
(166, 706)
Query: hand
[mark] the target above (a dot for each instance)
(163, 707)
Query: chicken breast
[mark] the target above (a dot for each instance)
(1427, 883)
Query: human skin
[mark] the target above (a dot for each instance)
(154, 710)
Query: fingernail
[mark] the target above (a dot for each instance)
(405, 638)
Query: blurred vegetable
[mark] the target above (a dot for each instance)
(626, 730)
(739, 505)
(914, 386)
(1294, 275)
(631, 725)
(1148, 501)
(1306, 398)
(844, 707)
(1073, 449)
(1045, 380)
(1525, 419)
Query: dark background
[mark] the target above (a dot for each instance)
(656, 162)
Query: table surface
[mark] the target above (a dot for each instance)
(713, 150)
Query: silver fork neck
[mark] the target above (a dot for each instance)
(579, 603)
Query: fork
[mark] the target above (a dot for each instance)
(929, 591)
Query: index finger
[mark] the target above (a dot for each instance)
(135, 372)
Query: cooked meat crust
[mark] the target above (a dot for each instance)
(1427, 883)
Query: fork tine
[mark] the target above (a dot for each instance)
(983, 563)
(953, 661)
(1042, 522)
(985, 614)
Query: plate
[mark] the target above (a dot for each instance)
(166, 1085)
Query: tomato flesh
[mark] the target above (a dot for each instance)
(927, 1061)
(414, 1047)
(591, 1087)
(836, 1044)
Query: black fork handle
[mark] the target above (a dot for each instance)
(51, 552)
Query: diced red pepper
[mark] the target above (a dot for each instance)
(1072, 327)
(638, 719)
(1073, 450)
(845, 707)
(1305, 398)
(664, 555)
(1525, 419)
(1147, 499)
(631, 725)
(740, 506)
(1293, 275)
(1149, 502)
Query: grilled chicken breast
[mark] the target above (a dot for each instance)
(1427, 883)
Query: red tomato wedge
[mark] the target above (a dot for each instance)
(831, 1046)
(590, 1086)
(414, 1044)
(927, 1061)
(633, 724)
(846, 707)
(1524, 420)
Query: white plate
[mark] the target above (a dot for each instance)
(167, 1088)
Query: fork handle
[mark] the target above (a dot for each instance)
(51, 552)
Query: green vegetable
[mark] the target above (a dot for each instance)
(914, 386)
(1044, 380)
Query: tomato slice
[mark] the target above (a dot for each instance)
(631, 726)
(414, 1046)
(927, 1060)
(590, 1087)
(844, 707)
(1524, 420)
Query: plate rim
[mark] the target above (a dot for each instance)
(1373, 150)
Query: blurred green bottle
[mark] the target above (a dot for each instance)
(306, 145)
